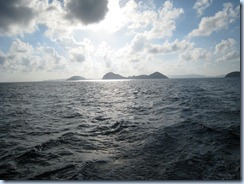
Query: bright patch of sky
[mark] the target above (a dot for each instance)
(43, 40)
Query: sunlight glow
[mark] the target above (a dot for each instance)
(113, 21)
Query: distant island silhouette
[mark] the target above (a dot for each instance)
(155, 75)
(112, 75)
(76, 78)
(233, 74)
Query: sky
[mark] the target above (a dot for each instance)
(57, 39)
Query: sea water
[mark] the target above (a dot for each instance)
(172, 129)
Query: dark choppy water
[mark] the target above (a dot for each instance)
(121, 130)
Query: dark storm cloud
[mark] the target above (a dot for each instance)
(87, 11)
(14, 12)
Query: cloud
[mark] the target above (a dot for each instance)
(79, 51)
(196, 54)
(16, 16)
(225, 46)
(136, 17)
(226, 51)
(18, 55)
(75, 55)
(154, 24)
(230, 56)
(86, 11)
(2, 58)
(168, 47)
(23, 57)
(47, 59)
(218, 22)
(51, 14)
(137, 43)
(20, 47)
(60, 17)
(165, 23)
(201, 5)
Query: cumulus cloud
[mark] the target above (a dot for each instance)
(22, 56)
(79, 51)
(165, 23)
(201, 5)
(18, 56)
(155, 24)
(137, 18)
(218, 22)
(168, 47)
(196, 54)
(86, 11)
(20, 47)
(230, 56)
(16, 16)
(226, 51)
(225, 46)
(75, 55)
(138, 43)
(60, 17)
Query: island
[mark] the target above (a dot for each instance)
(112, 75)
(76, 78)
(155, 75)
(233, 74)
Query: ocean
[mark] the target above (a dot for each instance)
(172, 129)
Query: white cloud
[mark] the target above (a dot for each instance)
(165, 23)
(225, 46)
(21, 56)
(79, 51)
(52, 16)
(136, 18)
(20, 47)
(132, 37)
(137, 44)
(201, 5)
(230, 56)
(168, 47)
(77, 55)
(62, 18)
(50, 58)
(196, 54)
(154, 24)
(226, 51)
(218, 22)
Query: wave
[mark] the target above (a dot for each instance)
(131, 130)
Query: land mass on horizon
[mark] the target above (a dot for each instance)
(76, 78)
(155, 75)
(233, 74)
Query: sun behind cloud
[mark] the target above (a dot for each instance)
(56, 39)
